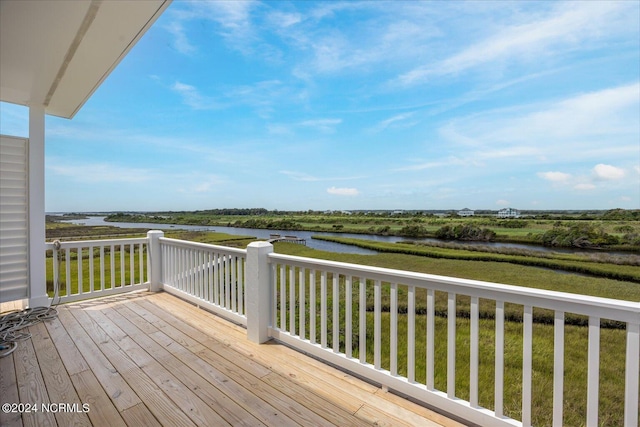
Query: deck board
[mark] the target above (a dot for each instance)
(31, 387)
(262, 382)
(144, 387)
(9, 392)
(139, 415)
(73, 360)
(155, 360)
(203, 390)
(102, 411)
(56, 378)
(110, 379)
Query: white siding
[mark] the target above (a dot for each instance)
(14, 223)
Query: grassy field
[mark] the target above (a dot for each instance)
(490, 271)
(576, 335)
(70, 285)
(611, 365)
(624, 268)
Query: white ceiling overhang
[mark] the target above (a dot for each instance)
(57, 53)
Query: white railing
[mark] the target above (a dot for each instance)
(93, 268)
(423, 335)
(207, 275)
(334, 310)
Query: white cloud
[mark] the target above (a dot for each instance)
(283, 19)
(343, 191)
(592, 115)
(279, 129)
(233, 19)
(608, 172)
(203, 183)
(397, 121)
(450, 161)
(586, 182)
(569, 26)
(193, 98)
(98, 172)
(299, 176)
(263, 96)
(322, 125)
(180, 42)
(555, 176)
(329, 9)
(576, 128)
(503, 202)
(585, 186)
(378, 37)
(515, 151)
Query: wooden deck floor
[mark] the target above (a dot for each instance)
(144, 359)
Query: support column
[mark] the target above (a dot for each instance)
(37, 261)
(258, 289)
(155, 260)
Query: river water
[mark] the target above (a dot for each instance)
(312, 243)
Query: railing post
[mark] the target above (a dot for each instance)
(155, 260)
(258, 286)
(36, 248)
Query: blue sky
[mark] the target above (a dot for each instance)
(360, 105)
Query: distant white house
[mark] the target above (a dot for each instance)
(508, 213)
(466, 212)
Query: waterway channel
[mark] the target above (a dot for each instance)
(312, 243)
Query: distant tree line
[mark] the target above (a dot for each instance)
(609, 215)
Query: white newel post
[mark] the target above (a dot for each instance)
(258, 287)
(37, 251)
(155, 260)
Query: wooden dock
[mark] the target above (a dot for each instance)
(290, 239)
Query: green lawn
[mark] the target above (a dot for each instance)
(612, 339)
(69, 285)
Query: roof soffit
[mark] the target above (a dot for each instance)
(57, 53)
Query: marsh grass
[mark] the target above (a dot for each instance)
(612, 343)
(612, 335)
(557, 262)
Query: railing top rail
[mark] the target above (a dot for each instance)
(625, 311)
(188, 244)
(85, 243)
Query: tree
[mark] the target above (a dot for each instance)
(465, 232)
